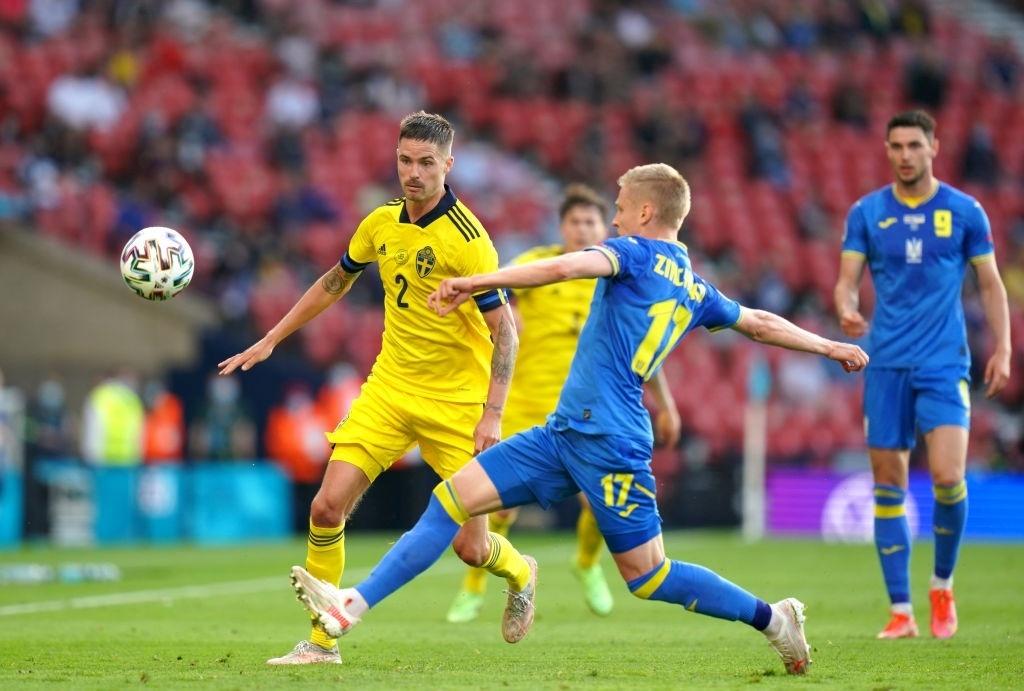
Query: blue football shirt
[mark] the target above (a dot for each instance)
(638, 315)
(917, 256)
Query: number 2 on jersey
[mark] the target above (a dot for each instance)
(404, 282)
(663, 314)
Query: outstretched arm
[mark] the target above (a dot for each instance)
(331, 287)
(769, 328)
(667, 424)
(583, 264)
(997, 312)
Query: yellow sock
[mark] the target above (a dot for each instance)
(325, 559)
(506, 561)
(588, 539)
(476, 578)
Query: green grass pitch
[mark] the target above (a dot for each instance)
(208, 618)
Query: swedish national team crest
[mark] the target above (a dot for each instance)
(425, 260)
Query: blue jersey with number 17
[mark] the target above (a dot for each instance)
(638, 315)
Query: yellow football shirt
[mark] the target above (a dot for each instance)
(552, 318)
(444, 358)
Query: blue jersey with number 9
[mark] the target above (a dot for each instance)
(638, 315)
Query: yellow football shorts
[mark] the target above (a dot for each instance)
(384, 424)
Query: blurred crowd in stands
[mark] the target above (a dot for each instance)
(264, 129)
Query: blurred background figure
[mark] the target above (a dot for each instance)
(339, 390)
(48, 437)
(164, 435)
(224, 430)
(295, 441)
(112, 423)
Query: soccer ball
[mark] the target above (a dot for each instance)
(157, 263)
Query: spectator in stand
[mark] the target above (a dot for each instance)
(112, 423)
(764, 137)
(850, 104)
(799, 27)
(48, 436)
(164, 435)
(981, 162)
(875, 18)
(11, 410)
(837, 25)
(660, 131)
(224, 430)
(51, 17)
(926, 79)
(85, 100)
(300, 203)
(295, 441)
(812, 220)
(1001, 66)
(912, 18)
(292, 103)
(801, 106)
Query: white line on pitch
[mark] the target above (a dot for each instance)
(255, 585)
(140, 596)
(228, 588)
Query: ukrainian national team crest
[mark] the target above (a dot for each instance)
(425, 260)
(915, 250)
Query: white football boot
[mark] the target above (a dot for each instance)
(790, 642)
(307, 653)
(325, 602)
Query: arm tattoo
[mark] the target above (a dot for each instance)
(335, 281)
(506, 345)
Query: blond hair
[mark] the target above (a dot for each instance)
(664, 187)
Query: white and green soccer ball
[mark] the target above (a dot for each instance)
(157, 263)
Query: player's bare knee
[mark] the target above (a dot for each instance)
(326, 513)
(947, 477)
(890, 473)
(473, 551)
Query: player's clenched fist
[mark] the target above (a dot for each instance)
(850, 356)
(450, 294)
(853, 324)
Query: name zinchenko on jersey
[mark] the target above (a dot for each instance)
(681, 276)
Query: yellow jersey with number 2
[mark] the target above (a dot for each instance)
(442, 358)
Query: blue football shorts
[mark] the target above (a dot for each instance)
(544, 465)
(899, 402)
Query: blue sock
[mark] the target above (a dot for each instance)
(948, 524)
(701, 590)
(413, 554)
(892, 539)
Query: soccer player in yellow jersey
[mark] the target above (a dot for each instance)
(437, 383)
(550, 319)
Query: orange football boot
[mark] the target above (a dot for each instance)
(900, 626)
(944, 621)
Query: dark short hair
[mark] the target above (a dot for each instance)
(912, 118)
(578, 194)
(427, 127)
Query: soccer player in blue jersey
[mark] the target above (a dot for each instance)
(598, 440)
(918, 235)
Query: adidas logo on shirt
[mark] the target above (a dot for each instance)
(382, 250)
